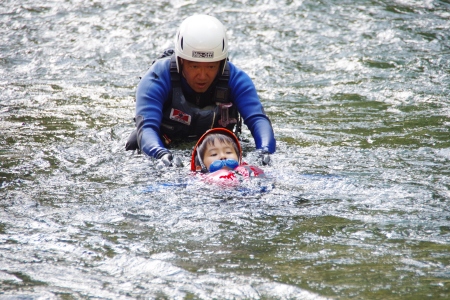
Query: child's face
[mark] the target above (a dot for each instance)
(217, 151)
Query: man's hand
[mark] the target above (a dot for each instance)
(167, 160)
(263, 157)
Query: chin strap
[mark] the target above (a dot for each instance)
(204, 169)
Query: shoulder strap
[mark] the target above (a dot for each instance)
(222, 89)
(174, 75)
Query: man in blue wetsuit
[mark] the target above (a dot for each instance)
(195, 89)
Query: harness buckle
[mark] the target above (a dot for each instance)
(224, 114)
(167, 141)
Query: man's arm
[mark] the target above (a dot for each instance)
(151, 94)
(244, 95)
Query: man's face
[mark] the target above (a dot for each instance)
(199, 75)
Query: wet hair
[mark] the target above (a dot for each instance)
(209, 140)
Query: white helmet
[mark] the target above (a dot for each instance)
(201, 38)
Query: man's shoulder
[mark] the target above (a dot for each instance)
(159, 69)
(232, 67)
(161, 65)
(237, 75)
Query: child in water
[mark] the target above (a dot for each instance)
(218, 155)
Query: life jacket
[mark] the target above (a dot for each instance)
(185, 119)
(233, 178)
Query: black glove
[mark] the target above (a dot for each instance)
(177, 162)
(167, 160)
(263, 157)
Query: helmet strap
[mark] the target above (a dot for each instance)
(222, 66)
(204, 169)
(179, 65)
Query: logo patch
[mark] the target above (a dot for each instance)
(203, 54)
(179, 116)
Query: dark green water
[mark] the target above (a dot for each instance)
(358, 203)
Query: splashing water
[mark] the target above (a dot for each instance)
(356, 203)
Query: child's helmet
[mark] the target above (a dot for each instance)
(201, 38)
(211, 131)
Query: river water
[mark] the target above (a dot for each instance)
(356, 205)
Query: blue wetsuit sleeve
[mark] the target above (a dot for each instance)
(151, 94)
(244, 95)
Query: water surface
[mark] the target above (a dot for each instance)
(356, 206)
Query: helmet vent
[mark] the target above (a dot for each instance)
(181, 43)
(223, 44)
